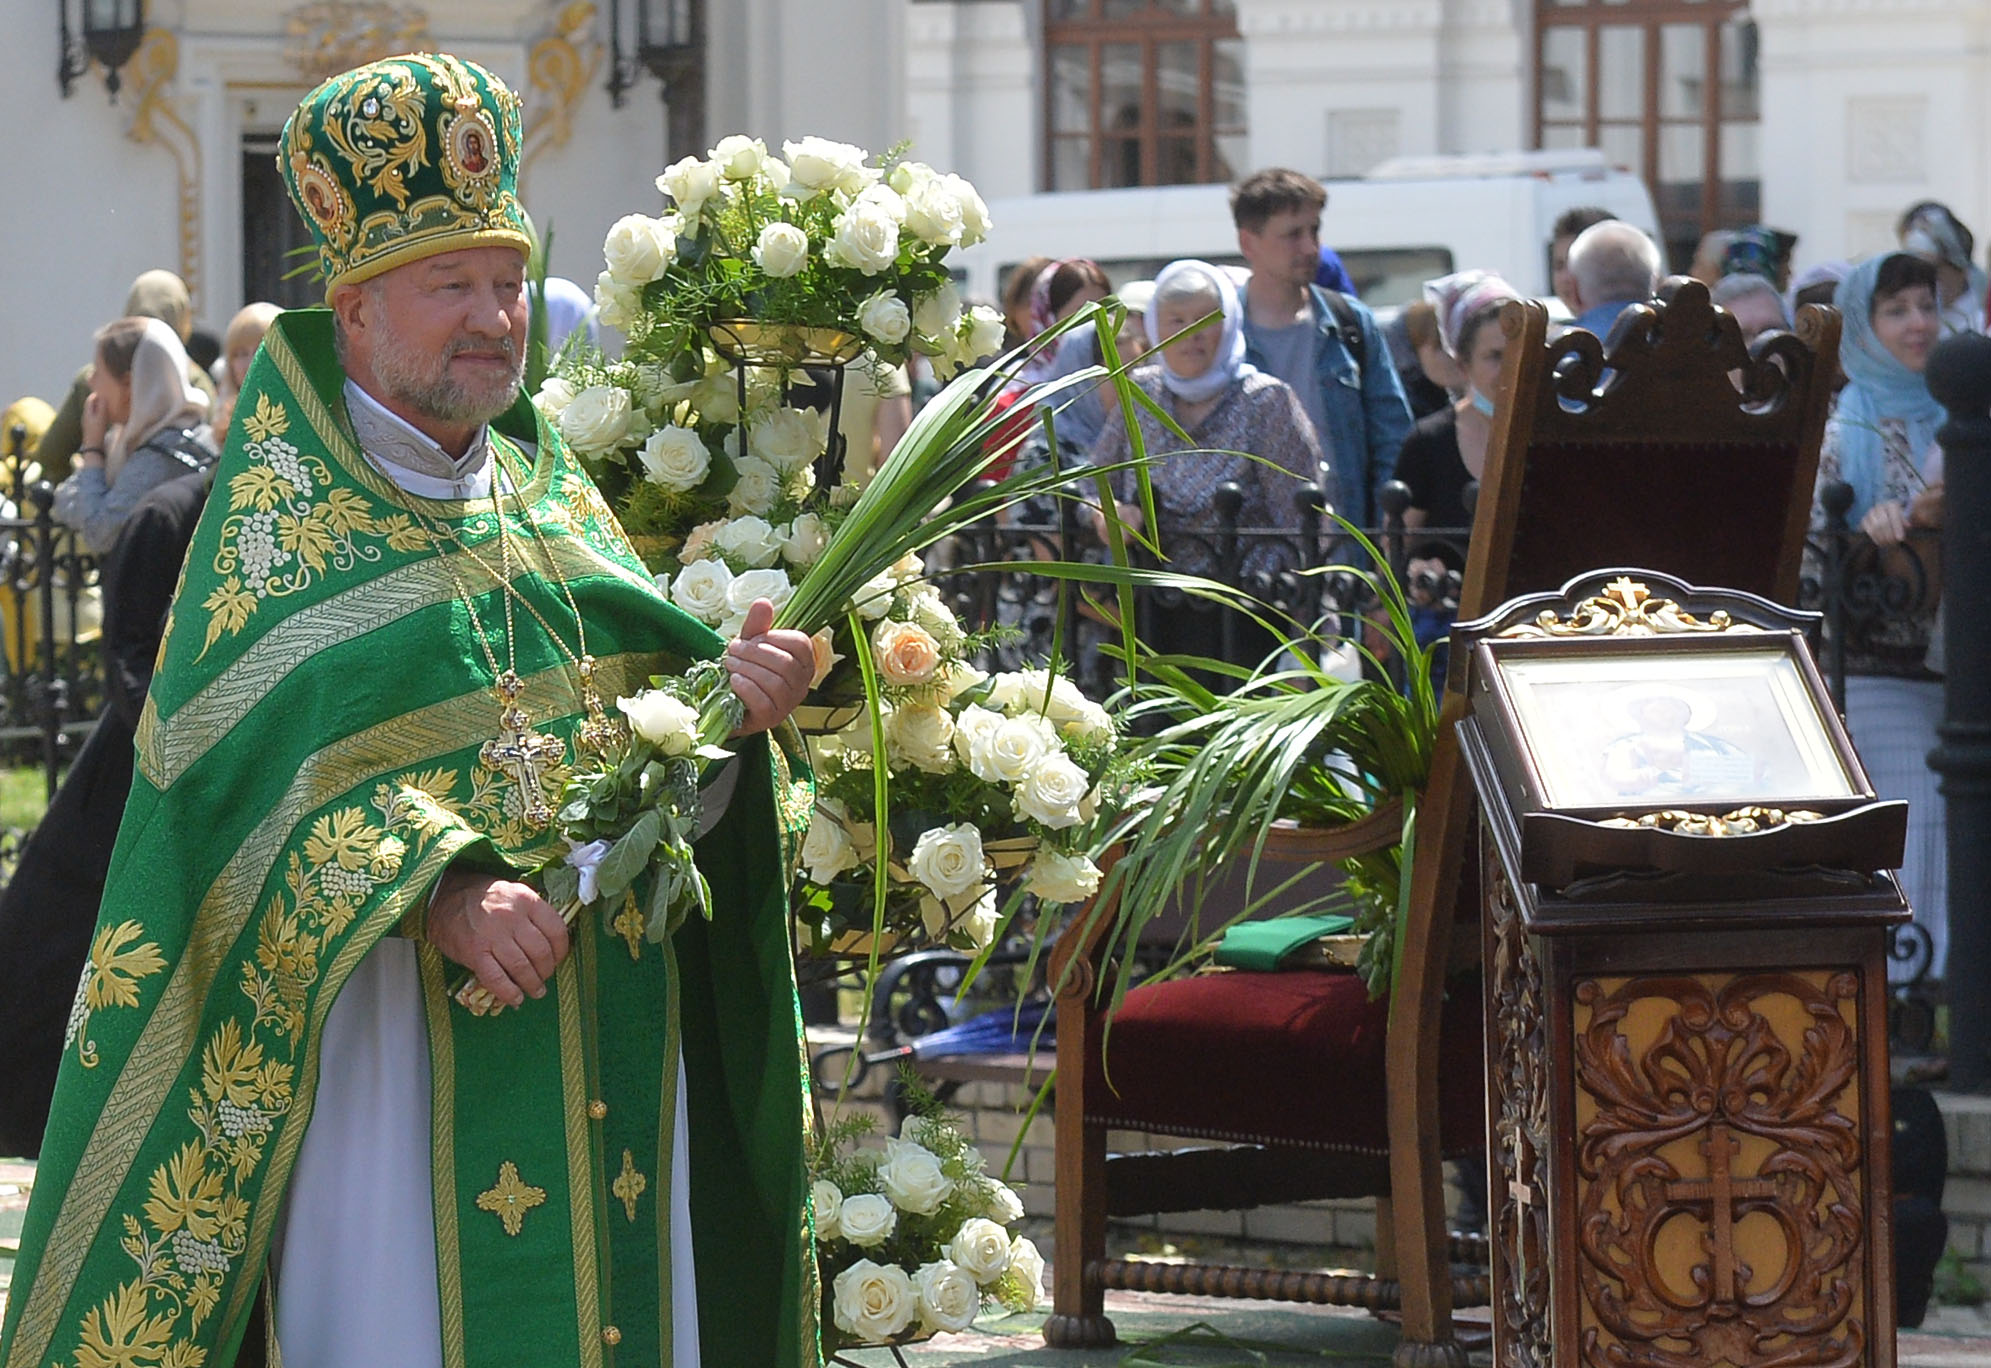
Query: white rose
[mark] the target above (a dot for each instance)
(825, 1198)
(772, 585)
(933, 213)
(921, 1131)
(1018, 746)
(907, 653)
(885, 318)
(867, 1219)
(757, 489)
(1005, 1207)
(782, 251)
(982, 332)
(739, 157)
(803, 540)
(717, 398)
(700, 589)
(790, 438)
(663, 719)
(818, 164)
(866, 236)
(936, 313)
(874, 600)
(908, 175)
(930, 611)
(1051, 792)
(978, 922)
(1089, 722)
(957, 677)
(981, 1247)
(948, 859)
(617, 302)
(675, 458)
(1019, 691)
(1061, 878)
(873, 1302)
(974, 213)
(974, 729)
(914, 1180)
(922, 737)
(827, 852)
(700, 542)
(689, 182)
(597, 419)
(1026, 1274)
(748, 541)
(554, 395)
(639, 248)
(948, 1297)
(907, 567)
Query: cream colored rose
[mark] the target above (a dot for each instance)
(979, 922)
(782, 250)
(913, 1178)
(663, 719)
(739, 157)
(948, 859)
(700, 589)
(866, 235)
(675, 458)
(597, 419)
(790, 438)
(974, 729)
(1051, 792)
(982, 332)
(907, 568)
(826, 849)
(1019, 745)
(701, 541)
(957, 677)
(1005, 1208)
(803, 540)
(717, 398)
(922, 737)
(617, 303)
(933, 213)
(638, 248)
(981, 1248)
(749, 542)
(826, 1200)
(823, 645)
(874, 600)
(873, 1302)
(818, 164)
(867, 1219)
(885, 318)
(936, 313)
(757, 488)
(553, 397)
(689, 182)
(948, 1297)
(907, 653)
(930, 611)
(1060, 878)
(1023, 1285)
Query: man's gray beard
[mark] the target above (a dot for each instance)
(423, 383)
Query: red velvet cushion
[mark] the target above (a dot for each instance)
(1292, 1057)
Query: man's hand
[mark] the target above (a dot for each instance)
(771, 670)
(501, 931)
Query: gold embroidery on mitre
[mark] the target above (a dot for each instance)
(629, 1184)
(511, 1198)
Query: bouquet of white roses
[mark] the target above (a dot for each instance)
(913, 1238)
(990, 776)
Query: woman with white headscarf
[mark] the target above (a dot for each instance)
(1930, 231)
(1228, 407)
(143, 424)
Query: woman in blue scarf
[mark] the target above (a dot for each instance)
(1882, 442)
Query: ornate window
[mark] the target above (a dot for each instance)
(1142, 92)
(1668, 89)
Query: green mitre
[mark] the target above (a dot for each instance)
(402, 159)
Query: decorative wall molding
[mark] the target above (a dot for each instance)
(330, 36)
(1359, 140)
(1270, 18)
(560, 66)
(156, 118)
(1885, 138)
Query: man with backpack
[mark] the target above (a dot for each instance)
(1323, 343)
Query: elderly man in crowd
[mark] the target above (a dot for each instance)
(1755, 302)
(399, 611)
(1614, 265)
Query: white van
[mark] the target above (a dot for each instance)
(1406, 222)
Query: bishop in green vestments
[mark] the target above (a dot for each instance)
(403, 605)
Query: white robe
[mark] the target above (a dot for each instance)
(355, 1281)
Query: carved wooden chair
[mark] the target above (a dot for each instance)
(1638, 451)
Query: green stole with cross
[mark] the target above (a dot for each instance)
(310, 760)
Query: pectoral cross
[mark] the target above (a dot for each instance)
(523, 753)
(1719, 1192)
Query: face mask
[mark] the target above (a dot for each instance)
(1481, 402)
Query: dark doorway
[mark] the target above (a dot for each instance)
(272, 232)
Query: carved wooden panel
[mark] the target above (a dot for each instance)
(1518, 1077)
(1720, 1197)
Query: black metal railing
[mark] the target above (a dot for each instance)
(51, 673)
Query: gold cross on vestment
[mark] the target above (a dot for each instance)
(522, 753)
(629, 1184)
(511, 1198)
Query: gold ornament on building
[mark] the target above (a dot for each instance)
(330, 36)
